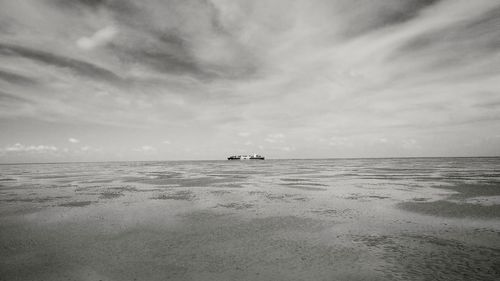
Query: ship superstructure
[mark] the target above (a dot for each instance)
(246, 157)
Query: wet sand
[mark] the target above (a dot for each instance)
(274, 220)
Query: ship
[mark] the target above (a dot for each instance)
(246, 157)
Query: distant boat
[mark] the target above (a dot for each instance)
(246, 157)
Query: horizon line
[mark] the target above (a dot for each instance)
(206, 160)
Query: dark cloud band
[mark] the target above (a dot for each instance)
(77, 66)
(17, 79)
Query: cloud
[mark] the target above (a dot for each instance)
(287, 148)
(30, 148)
(339, 141)
(275, 137)
(443, 48)
(15, 78)
(366, 16)
(145, 148)
(11, 98)
(166, 142)
(382, 140)
(410, 144)
(101, 37)
(80, 67)
(73, 140)
(89, 149)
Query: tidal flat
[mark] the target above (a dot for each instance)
(338, 219)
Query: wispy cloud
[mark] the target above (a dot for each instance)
(100, 37)
(145, 148)
(276, 137)
(15, 78)
(30, 148)
(73, 140)
(244, 134)
(79, 67)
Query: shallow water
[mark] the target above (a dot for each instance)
(341, 219)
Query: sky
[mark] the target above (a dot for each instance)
(112, 80)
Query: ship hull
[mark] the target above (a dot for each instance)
(244, 158)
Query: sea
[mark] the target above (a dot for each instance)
(303, 219)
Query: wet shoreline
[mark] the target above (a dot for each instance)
(288, 220)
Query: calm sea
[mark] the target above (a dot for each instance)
(409, 169)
